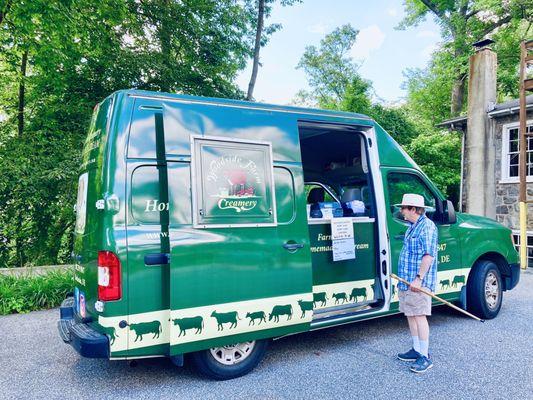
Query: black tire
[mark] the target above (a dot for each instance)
(208, 363)
(484, 290)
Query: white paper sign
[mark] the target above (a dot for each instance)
(341, 228)
(342, 239)
(343, 249)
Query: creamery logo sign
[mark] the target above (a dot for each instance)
(235, 181)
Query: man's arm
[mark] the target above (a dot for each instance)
(425, 264)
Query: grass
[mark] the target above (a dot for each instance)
(21, 294)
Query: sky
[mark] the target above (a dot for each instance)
(385, 52)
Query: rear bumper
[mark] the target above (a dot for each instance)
(87, 341)
(512, 280)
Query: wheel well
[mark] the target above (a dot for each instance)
(497, 259)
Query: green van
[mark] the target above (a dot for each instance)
(208, 227)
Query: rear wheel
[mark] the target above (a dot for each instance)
(485, 290)
(232, 361)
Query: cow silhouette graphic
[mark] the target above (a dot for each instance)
(277, 311)
(145, 328)
(319, 298)
(189, 323)
(458, 279)
(305, 306)
(111, 332)
(373, 286)
(340, 296)
(260, 315)
(445, 283)
(226, 318)
(358, 292)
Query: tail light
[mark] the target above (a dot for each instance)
(109, 276)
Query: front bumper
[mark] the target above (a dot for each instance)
(510, 281)
(87, 341)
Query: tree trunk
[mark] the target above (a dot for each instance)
(258, 33)
(164, 33)
(458, 93)
(23, 66)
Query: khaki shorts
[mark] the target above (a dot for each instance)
(414, 303)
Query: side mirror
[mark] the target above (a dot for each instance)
(449, 216)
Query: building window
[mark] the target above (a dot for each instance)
(516, 239)
(511, 152)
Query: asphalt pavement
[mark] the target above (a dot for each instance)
(472, 361)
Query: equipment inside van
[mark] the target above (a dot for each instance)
(209, 227)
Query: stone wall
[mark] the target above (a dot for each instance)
(506, 196)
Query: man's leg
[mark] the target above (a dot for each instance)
(422, 328)
(413, 328)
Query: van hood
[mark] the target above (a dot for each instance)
(478, 222)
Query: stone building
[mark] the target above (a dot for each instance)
(489, 160)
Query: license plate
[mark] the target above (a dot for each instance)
(79, 297)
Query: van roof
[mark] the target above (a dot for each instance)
(391, 153)
(244, 104)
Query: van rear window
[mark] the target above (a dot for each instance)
(81, 203)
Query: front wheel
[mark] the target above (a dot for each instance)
(485, 290)
(232, 361)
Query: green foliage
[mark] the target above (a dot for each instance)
(464, 22)
(439, 156)
(21, 294)
(336, 84)
(329, 68)
(79, 52)
(428, 90)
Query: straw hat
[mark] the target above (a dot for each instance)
(413, 200)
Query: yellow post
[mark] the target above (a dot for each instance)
(523, 235)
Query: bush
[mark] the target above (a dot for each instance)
(20, 294)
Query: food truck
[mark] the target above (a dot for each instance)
(208, 227)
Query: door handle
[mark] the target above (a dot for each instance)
(157, 259)
(293, 246)
(400, 237)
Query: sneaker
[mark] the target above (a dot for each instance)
(411, 355)
(421, 365)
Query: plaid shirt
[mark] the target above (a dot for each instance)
(420, 239)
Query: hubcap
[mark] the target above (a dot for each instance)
(233, 354)
(492, 290)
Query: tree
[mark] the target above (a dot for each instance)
(336, 84)
(264, 8)
(58, 59)
(464, 22)
(438, 154)
(193, 46)
(330, 70)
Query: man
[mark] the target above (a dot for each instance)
(417, 265)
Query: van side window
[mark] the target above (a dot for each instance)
(285, 195)
(400, 183)
(146, 206)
